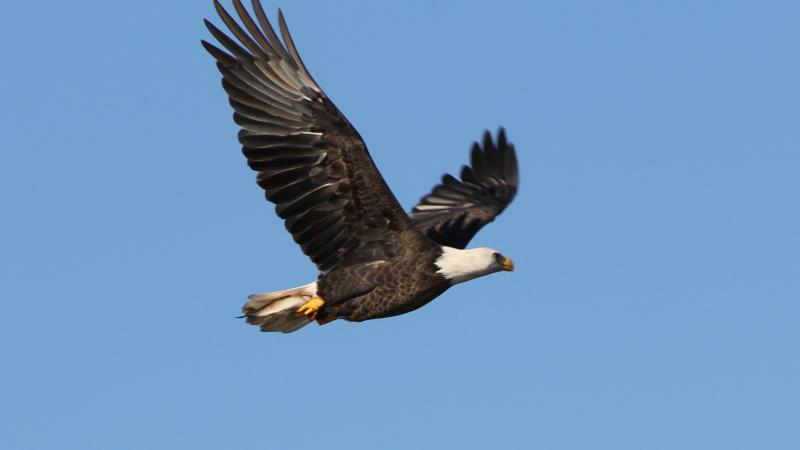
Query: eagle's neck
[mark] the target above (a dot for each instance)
(458, 266)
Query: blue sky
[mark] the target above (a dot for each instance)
(655, 301)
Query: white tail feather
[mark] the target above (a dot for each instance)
(275, 311)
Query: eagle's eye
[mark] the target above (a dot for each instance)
(498, 258)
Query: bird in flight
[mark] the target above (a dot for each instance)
(374, 260)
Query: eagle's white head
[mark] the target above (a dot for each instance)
(463, 265)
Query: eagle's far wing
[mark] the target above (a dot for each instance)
(456, 209)
(310, 161)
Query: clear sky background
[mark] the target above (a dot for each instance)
(656, 234)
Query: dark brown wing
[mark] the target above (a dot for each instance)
(455, 210)
(311, 162)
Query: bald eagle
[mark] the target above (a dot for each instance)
(374, 260)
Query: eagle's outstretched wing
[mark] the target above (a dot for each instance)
(455, 210)
(311, 162)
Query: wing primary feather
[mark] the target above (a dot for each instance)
(287, 37)
(251, 26)
(275, 76)
(262, 68)
(246, 96)
(244, 101)
(237, 31)
(270, 32)
(502, 150)
(237, 50)
(488, 144)
(512, 166)
(477, 161)
(219, 55)
(247, 83)
(252, 74)
(488, 155)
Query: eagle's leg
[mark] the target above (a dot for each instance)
(310, 308)
(325, 317)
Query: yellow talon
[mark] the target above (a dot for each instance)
(310, 308)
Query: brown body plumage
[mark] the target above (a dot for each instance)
(384, 288)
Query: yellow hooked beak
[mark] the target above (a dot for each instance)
(507, 264)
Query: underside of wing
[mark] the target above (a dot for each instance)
(310, 161)
(455, 210)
